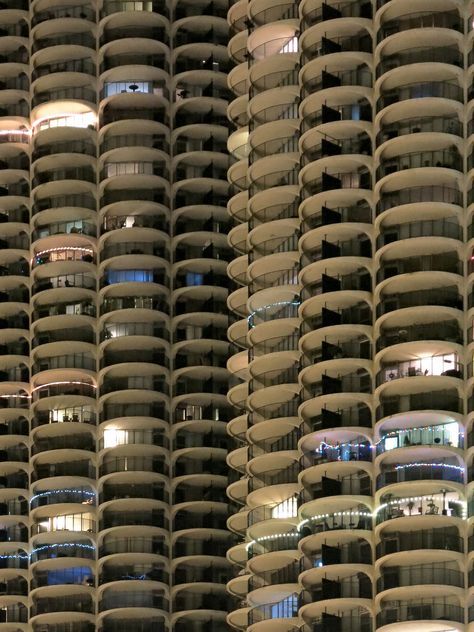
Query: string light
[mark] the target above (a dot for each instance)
(63, 491)
(63, 249)
(265, 538)
(394, 433)
(88, 547)
(60, 383)
(6, 132)
(365, 514)
(295, 303)
(337, 446)
(14, 556)
(405, 466)
(410, 499)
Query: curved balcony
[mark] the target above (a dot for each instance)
(358, 518)
(447, 124)
(76, 603)
(419, 575)
(443, 470)
(447, 400)
(442, 538)
(418, 55)
(353, 620)
(442, 365)
(412, 610)
(446, 295)
(115, 598)
(447, 89)
(441, 434)
(446, 158)
(448, 19)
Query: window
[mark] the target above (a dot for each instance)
(114, 437)
(286, 509)
(124, 276)
(125, 5)
(291, 46)
(355, 112)
(131, 87)
(125, 168)
(194, 278)
(286, 608)
(67, 120)
(74, 575)
(193, 331)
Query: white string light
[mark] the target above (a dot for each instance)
(404, 466)
(296, 303)
(394, 433)
(64, 249)
(59, 383)
(265, 538)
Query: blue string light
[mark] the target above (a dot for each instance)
(43, 547)
(14, 556)
(82, 492)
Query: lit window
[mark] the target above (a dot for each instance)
(286, 608)
(72, 522)
(88, 119)
(114, 437)
(126, 168)
(132, 87)
(132, 5)
(291, 46)
(286, 509)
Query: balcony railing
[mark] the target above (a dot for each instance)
(343, 9)
(421, 19)
(431, 609)
(440, 262)
(411, 195)
(133, 544)
(447, 296)
(83, 549)
(446, 158)
(419, 55)
(443, 470)
(430, 400)
(419, 575)
(447, 330)
(442, 365)
(434, 435)
(133, 599)
(418, 90)
(444, 538)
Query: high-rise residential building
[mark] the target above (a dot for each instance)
(352, 320)
(113, 343)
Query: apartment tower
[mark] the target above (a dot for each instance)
(113, 379)
(352, 315)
